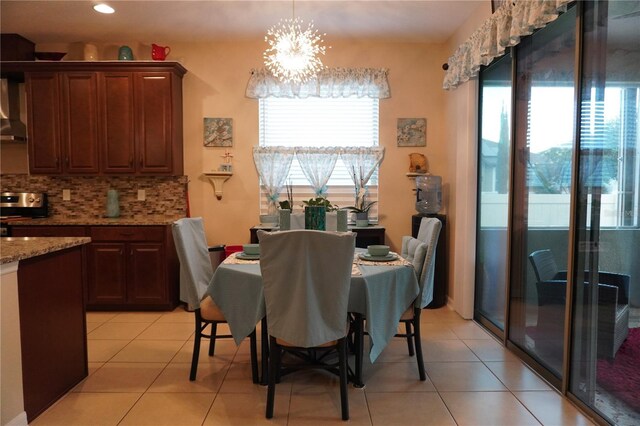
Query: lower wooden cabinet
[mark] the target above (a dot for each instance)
(128, 267)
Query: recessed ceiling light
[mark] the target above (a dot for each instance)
(103, 8)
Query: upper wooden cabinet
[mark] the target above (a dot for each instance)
(104, 117)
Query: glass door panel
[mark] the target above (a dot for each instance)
(494, 182)
(606, 316)
(545, 117)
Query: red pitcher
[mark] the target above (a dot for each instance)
(159, 53)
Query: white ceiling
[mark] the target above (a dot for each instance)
(194, 21)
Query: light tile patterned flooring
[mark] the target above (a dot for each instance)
(139, 365)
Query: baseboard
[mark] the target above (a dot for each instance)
(19, 420)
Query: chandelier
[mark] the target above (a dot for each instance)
(293, 53)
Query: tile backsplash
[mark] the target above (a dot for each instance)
(165, 196)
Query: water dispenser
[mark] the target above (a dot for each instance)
(428, 194)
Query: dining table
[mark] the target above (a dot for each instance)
(380, 291)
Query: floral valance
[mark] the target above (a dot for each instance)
(329, 83)
(513, 20)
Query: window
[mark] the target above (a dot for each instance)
(321, 122)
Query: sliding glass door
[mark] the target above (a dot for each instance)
(545, 113)
(558, 234)
(494, 182)
(605, 358)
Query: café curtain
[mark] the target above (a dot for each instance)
(317, 165)
(328, 83)
(361, 163)
(513, 20)
(272, 164)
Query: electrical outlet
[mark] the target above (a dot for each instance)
(142, 195)
(66, 195)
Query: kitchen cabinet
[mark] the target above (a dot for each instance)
(104, 118)
(128, 267)
(62, 123)
(43, 128)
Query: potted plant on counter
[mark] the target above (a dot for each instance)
(361, 209)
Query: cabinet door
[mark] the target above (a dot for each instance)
(117, 122)
(147, 269)
(106, 273)
(79, 122)
(154, 121)
(43, 118)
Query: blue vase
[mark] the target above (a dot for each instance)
(113, 205)
(315, 218)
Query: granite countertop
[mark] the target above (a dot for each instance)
(99, 220)
(18, 248)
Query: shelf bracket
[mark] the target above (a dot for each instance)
(217, 179)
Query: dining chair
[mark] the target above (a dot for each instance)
(307, 276)
(421, 252)
(196, 272)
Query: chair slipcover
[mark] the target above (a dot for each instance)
(306, 276)
(195, 264)
(428, 233)
(415, 251)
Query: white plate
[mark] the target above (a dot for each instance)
(244, 256)
(387, 258)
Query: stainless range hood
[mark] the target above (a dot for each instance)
(11, 128)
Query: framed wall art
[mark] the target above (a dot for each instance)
(412, 132)
(218, 132)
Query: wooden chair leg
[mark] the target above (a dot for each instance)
(416, 336)
(212, 340)
(264, 355)
(344, 396)
(196, 348)
(274, 361)
(254, 356)
(359, 349)
(407, 327)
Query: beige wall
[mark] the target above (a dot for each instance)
(215, 86)
(461, 125)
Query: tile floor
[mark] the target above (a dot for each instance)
(139, 365)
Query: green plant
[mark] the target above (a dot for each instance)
(288, 203)
(320, 202)
(364, 208)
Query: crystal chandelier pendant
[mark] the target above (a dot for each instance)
(293, 53)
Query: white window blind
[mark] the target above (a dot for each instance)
(321, 122)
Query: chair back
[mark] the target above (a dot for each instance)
(195, 264)
(544, 265)
(428, 233)
(306, 276)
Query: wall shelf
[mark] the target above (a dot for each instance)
(217, 180)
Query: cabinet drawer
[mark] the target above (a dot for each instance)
(127, 233)
(48, 231)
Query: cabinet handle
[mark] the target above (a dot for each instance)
(66, 161)
(126, 234)
(131, 252)
(141, 160)
(57, 161)
(131, 161)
